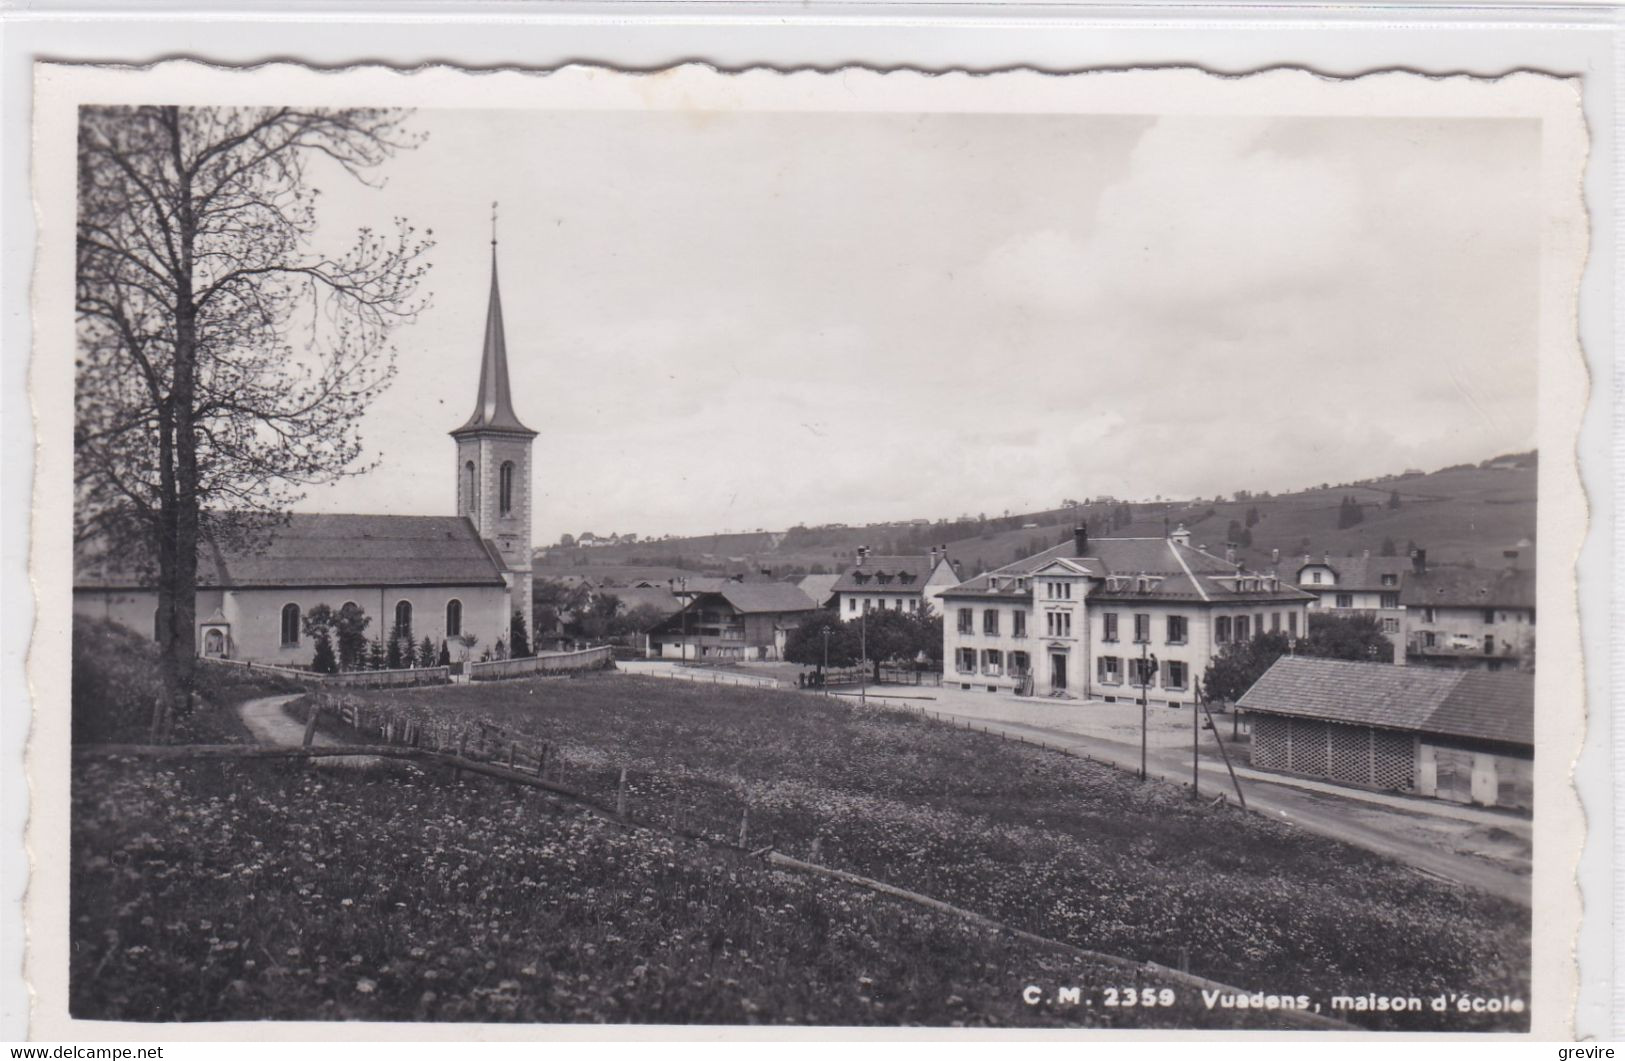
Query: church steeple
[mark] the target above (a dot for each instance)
(494, 464)
(493, 409)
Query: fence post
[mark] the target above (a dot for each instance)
(620, 795)
(541, 760)
(744, 826)
(310, 723)
(513, 749)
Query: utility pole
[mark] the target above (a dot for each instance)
(863, 657)
(682, 584)
(1145, 680)
(823, 678)
(1196, 736)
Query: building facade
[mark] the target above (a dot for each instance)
(1075, 621)
(901, 583)
(1469, 617)
(446, 577)
(741, 621)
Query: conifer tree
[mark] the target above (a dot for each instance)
(519, 647)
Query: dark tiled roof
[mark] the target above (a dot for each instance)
(758, 597)
(336, 550)
(916, 569)
(1357, 572)
(1470, 587)
(1484, 705)
(1183, 573)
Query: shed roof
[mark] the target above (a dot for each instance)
(1484, 705)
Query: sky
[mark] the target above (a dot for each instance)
(732, 321)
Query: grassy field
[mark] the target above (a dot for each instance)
(1071, 850)
(274, 891)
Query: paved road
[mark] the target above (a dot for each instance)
(1410, 836)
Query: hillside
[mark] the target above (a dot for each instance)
(1463, 514)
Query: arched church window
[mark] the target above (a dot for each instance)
(454, 618)
(290, 625)
(403, 615)
(471, 503)
(505, 479)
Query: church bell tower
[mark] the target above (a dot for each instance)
(493, 461)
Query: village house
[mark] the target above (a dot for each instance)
(739, 621)
(901, 583)
(1470, 617)
(1075, 620)
(445, 577)
(1355, 585)
(1460, 735)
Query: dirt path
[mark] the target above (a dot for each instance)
(269, 724)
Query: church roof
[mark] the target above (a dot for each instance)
(493, 409)
(329, 550)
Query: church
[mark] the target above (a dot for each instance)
(447, 578)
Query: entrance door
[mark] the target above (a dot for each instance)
(1057, 672)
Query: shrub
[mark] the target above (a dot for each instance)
(115, 682)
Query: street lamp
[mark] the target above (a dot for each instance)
(823, 675)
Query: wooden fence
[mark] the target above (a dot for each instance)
(366, 679)
(546, 663)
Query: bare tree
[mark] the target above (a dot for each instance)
(223, 361)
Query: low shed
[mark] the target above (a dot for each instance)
(1466, 736)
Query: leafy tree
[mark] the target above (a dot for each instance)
(1357, 637)
(805, 644)
(1349, 513)
(1393, 499)
(223, 361)
(1252, 516)
(1234, 670)
(520, 645)
(348, 625)
(639, 620)
(567, 540)
(468, 641)
(324, 661)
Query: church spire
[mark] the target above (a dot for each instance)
(493, 410)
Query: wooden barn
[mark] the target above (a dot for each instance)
(1460, 735)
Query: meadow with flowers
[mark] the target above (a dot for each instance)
(1067, 848)
(278, 889)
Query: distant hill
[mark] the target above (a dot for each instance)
(1461, 514)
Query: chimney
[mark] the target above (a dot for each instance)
(1275, 556)
(1368, 554)
(1229, 552)
(1080, 540)
(1419, 561)
(863, 554)
(1181, 536)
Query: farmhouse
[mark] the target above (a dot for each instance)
(744, 620)
(901, 583)
(1074, 620)
(1469, 617)
(443, 576)
(1465, 736)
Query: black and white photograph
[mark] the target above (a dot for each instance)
(810, 550)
